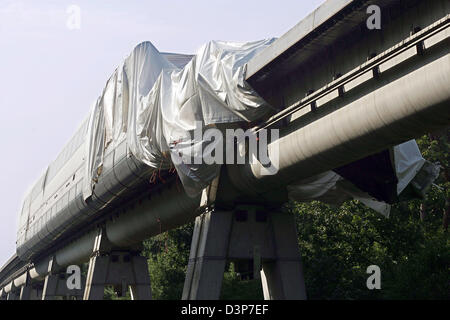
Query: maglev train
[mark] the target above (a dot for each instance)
(55, 206)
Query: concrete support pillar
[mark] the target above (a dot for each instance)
(249, 233)
(36, 293)
(25, 292)
(50, 283)
(11, 292)
(283, 278)
(26, 289)
(55, 287)
(140, 288)
(208, 256)
(118, 267)
(13, 295)
(50, 287)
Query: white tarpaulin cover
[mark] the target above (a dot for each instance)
(331, 188)
(155, 105)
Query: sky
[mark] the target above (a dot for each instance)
(56, 56)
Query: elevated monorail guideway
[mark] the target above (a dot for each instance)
(346, 100)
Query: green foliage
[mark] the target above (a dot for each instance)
(110, 294)
(233, 288)
(338, 245)
(168, 256)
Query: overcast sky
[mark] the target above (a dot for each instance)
(51, 72)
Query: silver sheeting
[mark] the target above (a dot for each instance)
(331, 188)
(155, 105)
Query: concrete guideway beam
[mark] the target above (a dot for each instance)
(392, 113)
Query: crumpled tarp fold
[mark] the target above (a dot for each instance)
(157, 105)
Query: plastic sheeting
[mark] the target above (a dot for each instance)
(155, 105)
(331, 188)
(408, 161)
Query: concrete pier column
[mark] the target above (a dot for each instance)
(249, 235)
(10, 292)
(26, 289)
(208, 256)
(50, 287)
(140, 289)
(36, 292)
(120, 267)
(282, 278)
(30, 290)
(13, 295)
(25, 292)
(55, 286)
